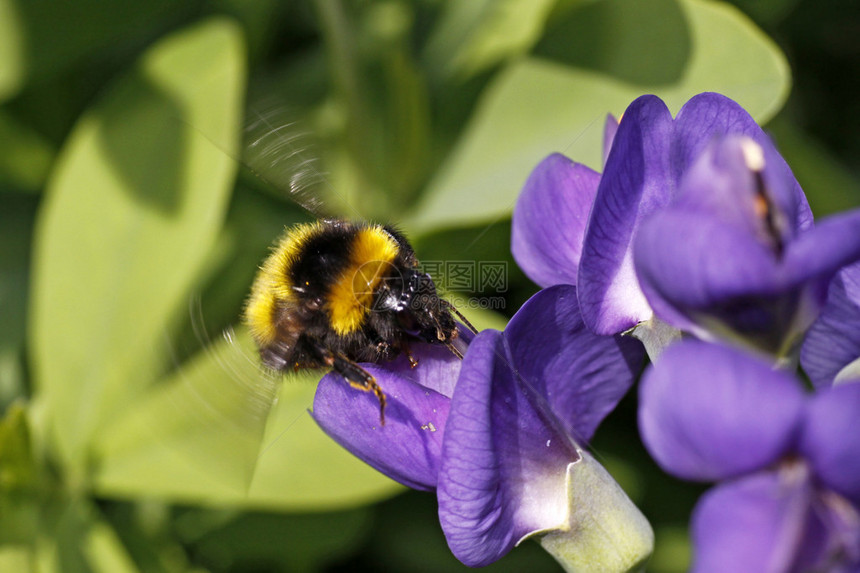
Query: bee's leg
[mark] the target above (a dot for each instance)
(358, 377)
(412, 361)
(383, 351)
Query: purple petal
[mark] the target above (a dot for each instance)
(503, 467)
(717, 253)
(438, 368)
(407, 448)
(727, 181)
(823, 250)
(610, 128)
(582, 376)
(833, 342)
(703, 118)
(690, 264)
(764, 522)
(710, 115)
(830, 439)
(636, 182)
(549, 220)
(708, 412)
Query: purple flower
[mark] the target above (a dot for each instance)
(788, 463)
(650, 153)
(697, 219)
(832, 346)
(495, 435)
(551, 215)
(734, 254)
(550, 218)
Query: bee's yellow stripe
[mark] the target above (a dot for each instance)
(349, 300)
(272, 286)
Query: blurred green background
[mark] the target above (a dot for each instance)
(150, 152)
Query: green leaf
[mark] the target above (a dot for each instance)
(297, 543)
(12, 50)
(473, 36)
(197, 432)
(16, 219)
(536, 106)
(223, 432)
(17, 463)
(25, 156)
(131, 214)
(23, 481)
(77, 539)
(55, 36)
(16, 558)
(731, 56)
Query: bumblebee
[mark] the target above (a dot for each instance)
(334, 293)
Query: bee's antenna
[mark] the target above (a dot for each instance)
(453, 309)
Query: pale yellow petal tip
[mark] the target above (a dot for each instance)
(753, 154)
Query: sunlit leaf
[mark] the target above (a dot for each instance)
(131, 214)
(303, 469)
(222, 431)
(472, 36)
(15, 557)
(537, 106)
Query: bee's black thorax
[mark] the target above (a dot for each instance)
(320, 261)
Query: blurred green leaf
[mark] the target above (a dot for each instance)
(406, 105)
(221, 431)
(253, 224)
(77, 540)
(21, 480)
(535, 107)
(131, 214)
(258, 18)
(672, 549)
(12, 49)
(57, 36)
(146, 529)
(17, 462)
(730, 55)
(25, 156)
(768, 11)
(473, 36)
(407, 537)
(279, 542)
(607, 37)
(16, 221)
(105, 552)
(196, 435)
(16, 558)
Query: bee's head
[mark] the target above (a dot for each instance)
(411, 295)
